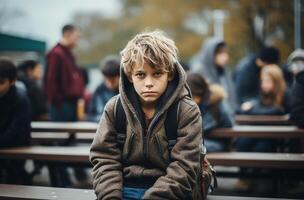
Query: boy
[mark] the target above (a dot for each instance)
(30, 73)
(110, 70)
(151, 81)
(15, 122)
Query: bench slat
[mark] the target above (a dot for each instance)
(80, 154)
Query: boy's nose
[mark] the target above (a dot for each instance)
(148, 83)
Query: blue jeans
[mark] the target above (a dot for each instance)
(255, 145)
(214, 146)
(59, 175)
(65, 113)
(133, 193)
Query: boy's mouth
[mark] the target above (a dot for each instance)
(150, 93)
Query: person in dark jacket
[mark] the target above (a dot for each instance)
(274, 100)
(296, 64)
(30, 73)
(63, 80)
(110, 69)
(15, 122)
(211, 63)
(209, 98)
(247, 73)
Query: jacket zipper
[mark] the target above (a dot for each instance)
(147, 135)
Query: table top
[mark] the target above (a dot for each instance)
(19, 192)
(80, 154)
(279, 132)
(262, 120)
(71, 127)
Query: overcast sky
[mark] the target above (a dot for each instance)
(43, 20)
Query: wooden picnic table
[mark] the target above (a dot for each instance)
(80, 154)
(22, 192)
(45, 137)
(254, 131)
(262, 120)
(274, 132)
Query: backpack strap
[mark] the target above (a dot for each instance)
(171, 123)
(120, 123)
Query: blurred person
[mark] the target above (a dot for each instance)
(15, 123)
(64, 86)
(30, 73)
(63, 81)
(110, 69)
(209, 98)
(247, 73)
(274, 100)
(274, 97)
(211, 62)
(296, 65)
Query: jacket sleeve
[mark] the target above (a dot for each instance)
(106, 157)
(18, 131)
(53, 79)
(183, 172)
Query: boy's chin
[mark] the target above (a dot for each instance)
(149, 100)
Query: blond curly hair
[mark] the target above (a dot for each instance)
(153, 48)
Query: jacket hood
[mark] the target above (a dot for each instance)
(203, 62)
(176, 89)
(297, 54)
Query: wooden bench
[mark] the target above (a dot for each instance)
(274, 132)
(67, 127)
(45, 137)
(262, 120)
(80, 154)
(269, 132)
(21, 192)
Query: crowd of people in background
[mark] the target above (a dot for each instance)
(256, 87)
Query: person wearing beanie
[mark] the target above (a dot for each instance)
(247, 73)
(110, 69)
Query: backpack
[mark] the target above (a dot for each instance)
(208, 173)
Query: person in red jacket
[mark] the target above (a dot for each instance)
(64, 86)
(63, 82)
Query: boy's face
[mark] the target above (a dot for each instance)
(112, 83)
(35, 73)
(5, 85)
(149, 83)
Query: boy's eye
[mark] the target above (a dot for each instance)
(158, 74)
(139, 75)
